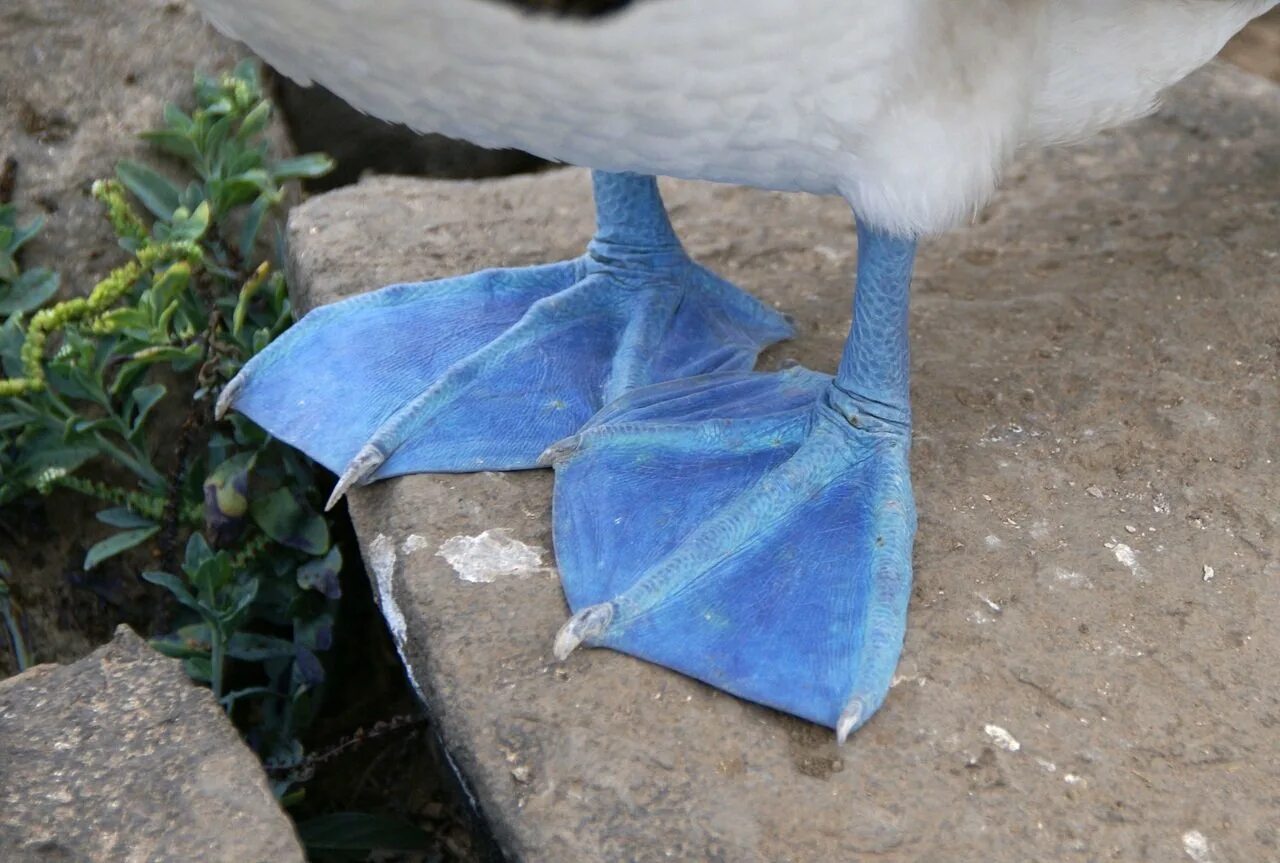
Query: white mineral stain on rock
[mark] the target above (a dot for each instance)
(382, 560)
(1196, 846)
(483, 559)
(918, 680)
(1071, 577)
(1002, 738)
(1128, 557)
(413, 542)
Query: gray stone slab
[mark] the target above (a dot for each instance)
(1096, 390)
(119, 758)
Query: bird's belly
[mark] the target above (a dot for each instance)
(753, 139)
(761, 93)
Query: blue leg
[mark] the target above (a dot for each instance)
(483, 372)
(754, 530)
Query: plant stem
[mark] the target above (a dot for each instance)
(13, 628)
(217, 654)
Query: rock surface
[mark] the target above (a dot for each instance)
(1257, 47)
(119, 758)
(1091, 664)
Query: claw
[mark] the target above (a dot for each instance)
(558, 451)
(849, 719)
(227, 396)
(588, 623)
(368, 460)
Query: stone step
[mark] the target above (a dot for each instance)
(1090, 668)
(120, 757)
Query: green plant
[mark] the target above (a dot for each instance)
(21, 291)
(11, 621)
(110, 396)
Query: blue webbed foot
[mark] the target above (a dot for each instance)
(483, 372)
(754, 530)
(751, 530)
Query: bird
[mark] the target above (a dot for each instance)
(750, 529)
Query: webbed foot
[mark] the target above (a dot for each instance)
(754, 530)
(751, 530)
(483, 372)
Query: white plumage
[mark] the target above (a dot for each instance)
(907, 108)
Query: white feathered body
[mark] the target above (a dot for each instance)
(907, 108)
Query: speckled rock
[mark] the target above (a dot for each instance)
(119, 758)
(1091, 666)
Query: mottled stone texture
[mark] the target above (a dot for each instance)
(119, 758)
(1096, 389)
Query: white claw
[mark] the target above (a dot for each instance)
(368, 460)
(588, 623)
(228, 396)
(849, 719)
(558, 451)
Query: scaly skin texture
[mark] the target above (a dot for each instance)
(755, 530)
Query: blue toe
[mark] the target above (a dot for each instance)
(741, 530)
(338, 375)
